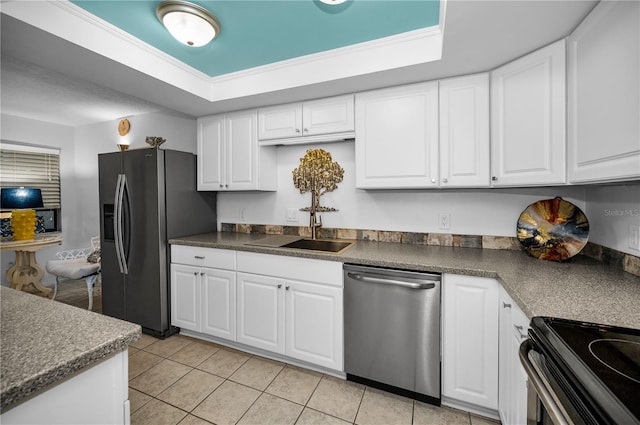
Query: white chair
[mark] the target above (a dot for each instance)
(76, 264)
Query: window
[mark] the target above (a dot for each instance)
(37, 167)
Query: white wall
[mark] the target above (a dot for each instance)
(611, 210)
(473, 211)
(79, 149)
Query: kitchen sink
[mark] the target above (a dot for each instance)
(319, 245)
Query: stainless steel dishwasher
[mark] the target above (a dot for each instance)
(392, 330)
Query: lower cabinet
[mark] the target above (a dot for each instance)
(512, 397)
(285, 305)
(470, 342)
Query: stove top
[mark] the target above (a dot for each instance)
(600, 362)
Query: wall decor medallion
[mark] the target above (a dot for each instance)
(553, 229)
(123, 127)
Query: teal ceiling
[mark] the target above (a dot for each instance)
(259, 32)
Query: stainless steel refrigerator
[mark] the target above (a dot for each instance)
(147, 196)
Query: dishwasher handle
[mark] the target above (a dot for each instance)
(409, 283)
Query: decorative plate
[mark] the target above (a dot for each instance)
(553, 229)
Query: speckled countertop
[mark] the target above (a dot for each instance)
(43, 341)
(580, 289)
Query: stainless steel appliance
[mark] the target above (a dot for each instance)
(147, 196)
(581, 373)
(392, 330)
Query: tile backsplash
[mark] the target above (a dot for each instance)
(627, 262)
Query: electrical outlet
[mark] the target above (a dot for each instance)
(444, 221)
(242, 214)
(292, 215)
(634, 236)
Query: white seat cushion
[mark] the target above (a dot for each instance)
(72, 269)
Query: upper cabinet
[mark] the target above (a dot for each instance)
(528, 119)
(313, 121)
(464, 131)
(229, 157)
(604, 107)
(397, 137)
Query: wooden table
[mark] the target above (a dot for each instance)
(26, 269)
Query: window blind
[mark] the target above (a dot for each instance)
(39, 168)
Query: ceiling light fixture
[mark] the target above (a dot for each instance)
(333, 1)
(188, 23)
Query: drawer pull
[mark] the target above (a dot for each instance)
(199, 257)
(279, 285)
(506, 305)
(519, 329)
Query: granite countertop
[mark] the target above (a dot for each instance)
(43, 342)
(580, 289)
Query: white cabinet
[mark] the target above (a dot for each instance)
(292, 306)
(512, 400)
(229, 157)
(528, 118)
(312, 121)
(470, 341)
(203, 298)
(604, 87)
(464, 132)
(397, 137)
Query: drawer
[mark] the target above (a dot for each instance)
(203, 257)
(292, 268)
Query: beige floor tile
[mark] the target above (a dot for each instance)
(294, 384)
(157, 413)
(167, 347)
(194, 420)
(132, 350)
(137, 399)
(380, 408)
(271, 410)
(191, 389)
(313, 417)
(141, 362)
(159, 377)
(257, 373)
(479, 420)
(227, 404)
(427, 414)
(224, 362)
(143, 341)
(337, 397)
(195, 353)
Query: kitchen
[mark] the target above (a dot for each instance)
(488, 212)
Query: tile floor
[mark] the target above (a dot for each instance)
(186, 381)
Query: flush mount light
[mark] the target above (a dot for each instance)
(188, 23)
(333, 1)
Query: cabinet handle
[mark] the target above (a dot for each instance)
(287, 288)
(445, 180)
(226, 185)
(506, 305)
(297, 130)
(195, 273)
(201, 273)
(433, 180)
(494, 178)
(306, 129)
(198, 257)
(519, 329)
(279, 285)
(221, 185)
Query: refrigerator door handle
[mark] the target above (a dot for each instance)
(118, 223)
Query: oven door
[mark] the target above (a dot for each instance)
(547, 402)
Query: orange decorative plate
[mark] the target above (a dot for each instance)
(553, 229)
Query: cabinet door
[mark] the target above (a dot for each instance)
(528, 101)
(242, 151)
(464, 132)
(314, 323)
(325, 116)
(185, 297)
(470, 340)
(604, 64)
(260, 316)
(218, 303)
(280, 122)
(397, 137)
(211, 153)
